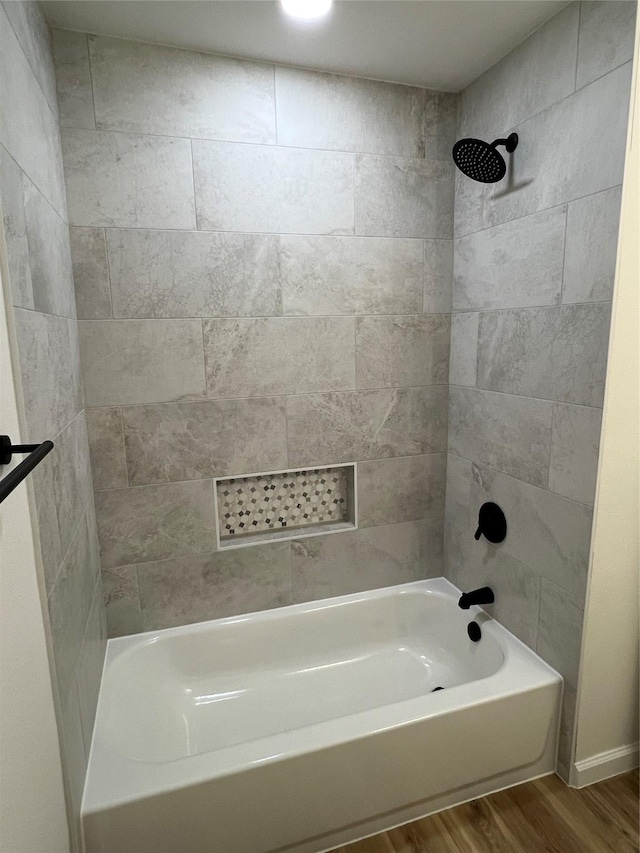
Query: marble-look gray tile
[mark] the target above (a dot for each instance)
(200, 95)
(339, 113)
(398, 197)
(571, 150)
(155, 522)
(191, 274)
(49, 255)
(90, 663)
(48, 531)
(560, 631)
(464, 349)
(28, 125)
(516, 586)
(514, 265)
(272, 189)
(70, 601)
(72, 487)
(279, 355)
(592, 244)
(557, 353)
(359, 425)
(212, 586)
(352, 275)
(127, 180)
(400, 351)
(546, 532)
(441, 116)
(438, 276)
(339, 564)
(15, 231)
(74, 760)
(106, 448)
(510, 434)
(90, 273)
(536, 74)
(573, 463)
(141, 361)
(51, 388)
(73, 77)
(122, 601)
(32, 31)
(458, 493)
(606, 38)
(403, 489)
(188, 441)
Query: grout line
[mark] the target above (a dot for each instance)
(106, 253)
(564, 258)
(275, 104)
(579, 27)
(193, 183)
(89, 65)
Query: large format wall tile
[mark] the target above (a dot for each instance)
(441, 117)
(471, 565)
(511, 434)
(50, 259)
(155, 522)
(122, 600)
(560, 631)
(349, 114)
(32, 31)
(343, 563)
(457, 500)
(545, 531)
(573, 463)
(72, 487)
(347, 426)
(73, 76)
(399, 351)
(280, 355)
(89, 670)
(90, 273)
(141, 361)
(186, 441)
(606, 38)
(398, 197)
(556, 353)
(464, 349)
(28, 125)
(573, 149)
(106, 448)
(438, 276)
(403, 489)
(148, 88)
(351, 275)
(278, 190)
(191, 274)
(211, 586)
(512, 265)
(539, 72)
(15, 231)
(128, 180)
(591, 247)
(51, 387)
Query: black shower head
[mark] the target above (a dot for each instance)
(482, 161)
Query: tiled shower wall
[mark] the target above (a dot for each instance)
(38, 278)
(534, 265)
(263, 261)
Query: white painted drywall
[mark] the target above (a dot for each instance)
(607, 703)
(32, 809)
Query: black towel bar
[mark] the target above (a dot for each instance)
(36, 452)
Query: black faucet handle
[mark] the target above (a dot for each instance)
(478, 533)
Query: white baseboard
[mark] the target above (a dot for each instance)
(603, 766)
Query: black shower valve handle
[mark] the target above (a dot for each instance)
(478, 533)
(492, 523)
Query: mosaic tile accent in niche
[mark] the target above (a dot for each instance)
(275, 502)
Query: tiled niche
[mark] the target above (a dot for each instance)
(277, 505)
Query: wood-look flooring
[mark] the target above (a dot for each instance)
(544, 816)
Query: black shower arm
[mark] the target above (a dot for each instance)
(510, 143)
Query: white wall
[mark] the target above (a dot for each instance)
(32, 808)
(607, 730)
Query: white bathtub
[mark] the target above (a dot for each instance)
(307, 727)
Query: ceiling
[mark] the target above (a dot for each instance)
(438, 44)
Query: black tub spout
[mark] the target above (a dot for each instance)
(484, 595)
